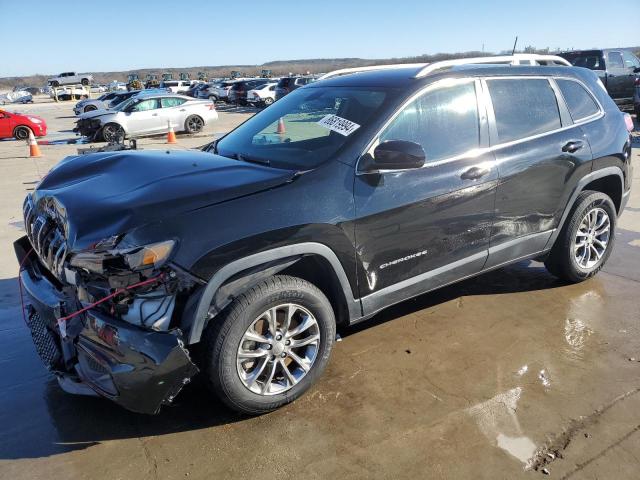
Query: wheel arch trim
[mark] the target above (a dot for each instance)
(267, 258)
(583, 182)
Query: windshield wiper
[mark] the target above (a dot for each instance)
(245, 158)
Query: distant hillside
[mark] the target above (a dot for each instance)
(278, 67)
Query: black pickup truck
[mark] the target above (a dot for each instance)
(619, 70)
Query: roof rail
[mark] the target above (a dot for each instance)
(515, 59)
(345, 71)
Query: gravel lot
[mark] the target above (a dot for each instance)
(478, 380)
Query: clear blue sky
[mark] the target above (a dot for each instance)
(50, 37)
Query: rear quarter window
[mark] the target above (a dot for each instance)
(523, 107)
(580, 102)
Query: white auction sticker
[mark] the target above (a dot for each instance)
(338, 124)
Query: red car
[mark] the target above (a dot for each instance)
(18, 125)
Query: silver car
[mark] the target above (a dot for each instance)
(147, 114)
(90, 104)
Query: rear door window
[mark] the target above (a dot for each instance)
(614, 59)
(443, 121)
(523, 107)
(580, 102)
(171, 102)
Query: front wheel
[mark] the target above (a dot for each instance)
(85, 81)
(21, 133)
(270, 345)
(586, 239)
(112, 133)
(267, 101)
(90, 108)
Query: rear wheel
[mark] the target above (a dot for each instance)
(55, 84)
(270, 345)
(112, 133)
(586, 240)
(84, 81)
(21, 132)
(193, 124)
(268, 101)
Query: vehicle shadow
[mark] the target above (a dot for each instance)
(524, 276)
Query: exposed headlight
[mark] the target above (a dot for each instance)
(150, 255)
(136, 258)
(35, 120)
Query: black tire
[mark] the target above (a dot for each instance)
(223, 337)
(193, 124)
(112, 132)
(562, 261)
(21, 132)
(55, 84)
(84, 81)
(267, 101)
(90, 108)
(213, 98)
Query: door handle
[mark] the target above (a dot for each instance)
(572, 147)
(474, 173)
(183, 109)
(154, 114)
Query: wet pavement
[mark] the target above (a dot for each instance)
(508, 375)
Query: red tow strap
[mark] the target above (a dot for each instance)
(61, 320)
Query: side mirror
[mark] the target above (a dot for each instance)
(394, 155)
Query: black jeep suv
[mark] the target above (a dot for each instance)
(349, 195)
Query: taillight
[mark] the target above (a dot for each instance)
(628, 121)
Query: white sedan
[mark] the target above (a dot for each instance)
(263, 94)
(147, 114)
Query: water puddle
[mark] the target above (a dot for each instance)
(498, 421)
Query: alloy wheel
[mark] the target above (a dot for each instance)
(278, 349)
(592, 238)
(194, 124)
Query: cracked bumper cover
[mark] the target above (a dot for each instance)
(137, 368)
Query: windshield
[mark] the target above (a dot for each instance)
(305, 128)
(123, 105)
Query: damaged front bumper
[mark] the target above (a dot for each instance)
(138, 368)
(88, 127)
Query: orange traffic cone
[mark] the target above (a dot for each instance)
(34, 149)
(281, 128)
(171, 136)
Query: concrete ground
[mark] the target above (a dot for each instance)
(509, 375)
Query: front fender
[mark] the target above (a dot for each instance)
(259, 265)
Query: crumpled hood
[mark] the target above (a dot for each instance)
(95, 113)
(103, 194)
